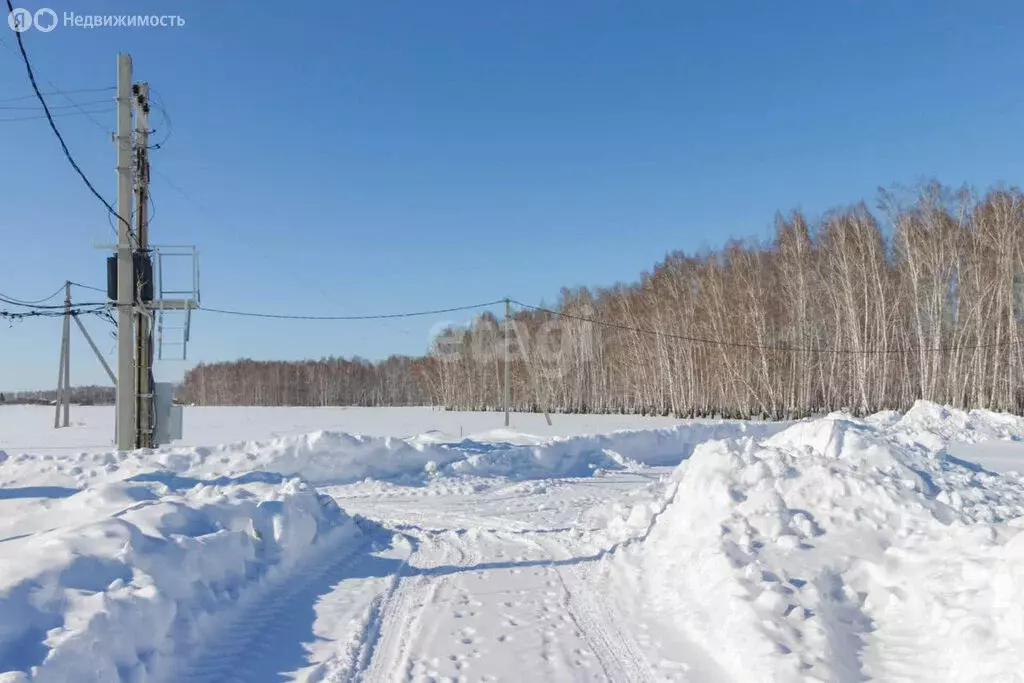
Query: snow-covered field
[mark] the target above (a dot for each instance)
(414, 544)
(30, 428)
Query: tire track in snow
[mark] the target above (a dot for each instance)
(614, 647)
(620, 657)
(365, 632)
(240, 643)
(402, 633)
(399, 616)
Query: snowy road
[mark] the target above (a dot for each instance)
(487, 585)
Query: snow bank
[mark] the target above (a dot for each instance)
(338, 458)
(138, 567)
(935, 425)
(839, 550)
(580, 456)
(334, 458)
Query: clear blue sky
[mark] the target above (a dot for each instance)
(365, 156)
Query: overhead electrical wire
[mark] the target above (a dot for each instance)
(387, 316)
(37, 117)
(754, 346)
(22, 315)
(76, 91)
(100, 308)
(31, 302)
(46, 307)
(56, 131)
(95, 289)
(38, 309)
(156, 101)
(33, 107)
(66, 94)
(615, 325)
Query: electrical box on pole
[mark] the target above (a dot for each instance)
(168, 416)
(143, 266)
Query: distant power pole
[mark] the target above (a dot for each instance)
(508, 368)
(67, 353)
(63, 398)
(64, 373)
(125, 395)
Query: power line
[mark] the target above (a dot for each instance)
(759, 347)
(56, 91)
(34, 107)
(282, 316)
(66, 94)
(95, 289)
(158, 104)
(21, 315)
(56, 131)
(37, 117)
(31, 302)
(44, 307)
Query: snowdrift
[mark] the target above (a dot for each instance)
(580, 456)
(839, 550)
(138, 567)
(935, 426)
(334, 458)
(325, 458)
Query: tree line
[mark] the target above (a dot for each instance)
(397, 381)
(84, 395)
(854, 311)
(858, 310)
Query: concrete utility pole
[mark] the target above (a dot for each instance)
(143, 347)
(125, 397)
(508, 368)
(67, 353)
(60, 382)
(64, 371)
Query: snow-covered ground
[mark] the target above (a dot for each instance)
(30, 428)
(414, 544)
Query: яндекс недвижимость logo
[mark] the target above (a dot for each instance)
(46, 19)
(21, 19)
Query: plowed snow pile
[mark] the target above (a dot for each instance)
(839, 550)
(331, 458)
(134, 570)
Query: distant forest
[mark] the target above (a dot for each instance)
(857, 310)
(88, 395)
(398, 381)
